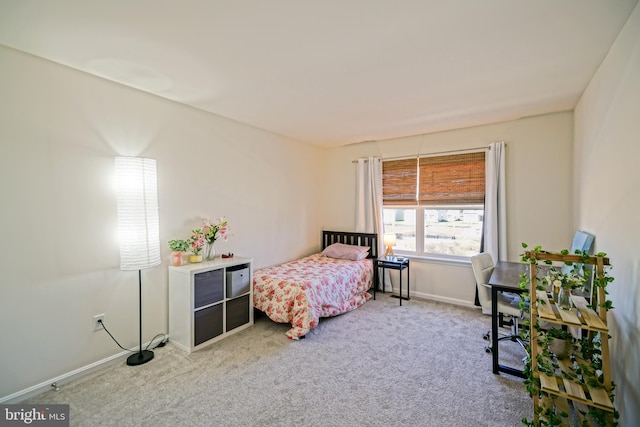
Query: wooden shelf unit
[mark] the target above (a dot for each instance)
(570, 383)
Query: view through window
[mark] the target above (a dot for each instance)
(446, 231)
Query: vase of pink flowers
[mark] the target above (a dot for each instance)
(196, 244)
(212, 230)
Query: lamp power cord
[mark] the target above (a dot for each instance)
(162, 342)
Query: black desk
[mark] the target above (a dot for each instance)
(505, 278)
(393, 263)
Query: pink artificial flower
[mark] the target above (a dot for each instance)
(213, 230)
(224, 232)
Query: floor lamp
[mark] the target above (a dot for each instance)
(138, 225)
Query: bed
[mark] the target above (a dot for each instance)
(323, 284)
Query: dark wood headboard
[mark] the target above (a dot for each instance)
(349, 238)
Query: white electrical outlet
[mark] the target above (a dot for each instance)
(97, 319)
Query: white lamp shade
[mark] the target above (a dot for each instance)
(389, 240)
(138, 219)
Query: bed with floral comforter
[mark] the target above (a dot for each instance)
(300, 292)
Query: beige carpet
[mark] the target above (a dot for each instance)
(422, 364)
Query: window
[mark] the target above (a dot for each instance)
(435, 205)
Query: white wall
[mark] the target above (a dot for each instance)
(539, 190)
(59, 132)
(607, 128)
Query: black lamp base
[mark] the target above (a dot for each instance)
(140, 358)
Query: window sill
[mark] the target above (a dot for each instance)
(437, 260)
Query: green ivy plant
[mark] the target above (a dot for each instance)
(178, 245)
(588, 349)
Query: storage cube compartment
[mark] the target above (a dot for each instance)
(208, 288)
(238, 280)
(238, 312)
(208, 324)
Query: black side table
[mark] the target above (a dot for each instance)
(393, 263)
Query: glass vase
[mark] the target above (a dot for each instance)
(211, 251)
(564, 298)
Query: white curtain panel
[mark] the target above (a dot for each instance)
(369, 196)
(369, 201)
(495, 206)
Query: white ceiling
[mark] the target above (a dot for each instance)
(333, 72)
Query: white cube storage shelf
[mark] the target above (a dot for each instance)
(209, 301)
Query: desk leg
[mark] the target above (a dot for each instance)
(494, 328)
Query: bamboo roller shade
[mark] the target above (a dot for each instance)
(456, 179)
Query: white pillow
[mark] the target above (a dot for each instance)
(350, 252)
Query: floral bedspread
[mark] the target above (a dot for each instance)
(301, 291)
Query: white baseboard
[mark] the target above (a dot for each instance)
(65, 378)
(439, 298)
